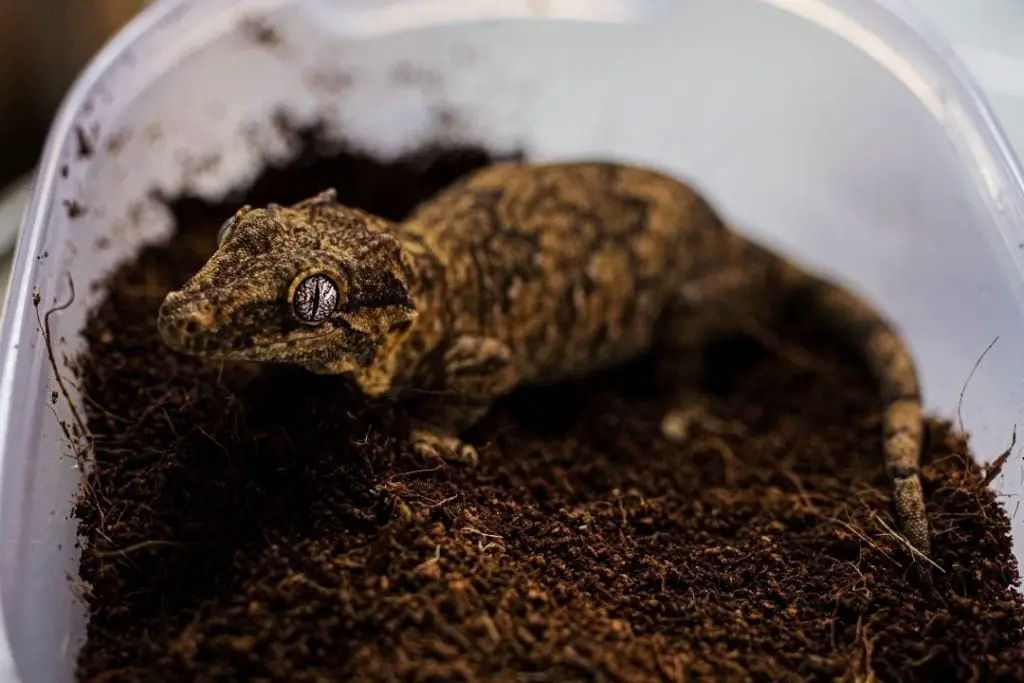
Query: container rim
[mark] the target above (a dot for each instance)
(923, 63)
(13, 316)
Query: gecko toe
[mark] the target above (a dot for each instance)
(677, 424)
(464, 454)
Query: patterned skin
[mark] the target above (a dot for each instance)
(519, 273)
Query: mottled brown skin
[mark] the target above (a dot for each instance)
(515, 274)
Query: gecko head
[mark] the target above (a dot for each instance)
(311, 283)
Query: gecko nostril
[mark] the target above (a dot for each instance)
(197, 321)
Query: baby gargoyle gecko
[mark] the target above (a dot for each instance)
(519, 273)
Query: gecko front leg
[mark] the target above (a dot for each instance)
(475, 372)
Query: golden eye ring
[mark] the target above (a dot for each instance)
(315, 297)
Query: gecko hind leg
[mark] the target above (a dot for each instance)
(681, 359)
(690, 406)
(476, 371)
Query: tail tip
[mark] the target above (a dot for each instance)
(912, 515)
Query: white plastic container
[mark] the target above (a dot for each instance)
(830, 129)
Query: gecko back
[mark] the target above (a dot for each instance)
(577, 266)
(571, 265)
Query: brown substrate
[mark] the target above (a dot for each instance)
(247, 525)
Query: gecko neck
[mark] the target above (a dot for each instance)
(399, 357)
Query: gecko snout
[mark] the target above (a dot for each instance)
(183, 324)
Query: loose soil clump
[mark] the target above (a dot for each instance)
(264, 523)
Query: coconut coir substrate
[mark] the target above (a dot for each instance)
(256, 524)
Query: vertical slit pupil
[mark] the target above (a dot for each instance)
(315, 298)
(315, 308)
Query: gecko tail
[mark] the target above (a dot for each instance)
(892, 366)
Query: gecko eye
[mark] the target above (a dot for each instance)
(226, 228)
(315, 299)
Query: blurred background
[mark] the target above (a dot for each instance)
(44, 44)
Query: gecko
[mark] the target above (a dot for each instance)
(521, 273)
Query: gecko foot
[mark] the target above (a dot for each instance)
(677, 424)
(434, 446)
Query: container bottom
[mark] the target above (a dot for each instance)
(246, 522)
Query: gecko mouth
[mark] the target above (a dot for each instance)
(191, 328)
(295, 349)
(218, 345)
